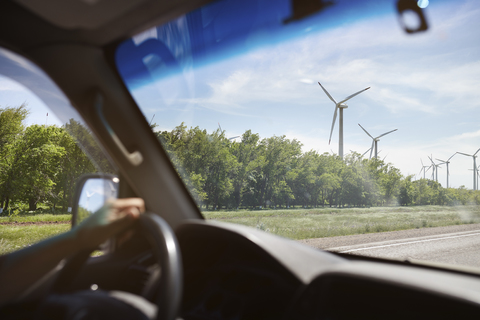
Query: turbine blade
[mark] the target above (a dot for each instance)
(366, 152)
(371, 148)
(353, 95)
(328, 94)
(219, 126)
(386, 133)
(365, 131)
(422, 162)
(452, 156)
(476, 152)
(468, 155)
(333, 124)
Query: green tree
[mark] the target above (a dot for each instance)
(246, 154)
(38, 165)
(329, 170)
(11, 130)
(280, 155)
(72, 165)
(204, 158)
(11, 124)
(304, 180)
(407, 191)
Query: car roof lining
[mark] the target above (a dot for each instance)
(80, 14)
(115, 21)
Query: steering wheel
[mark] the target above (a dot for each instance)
(166, 252)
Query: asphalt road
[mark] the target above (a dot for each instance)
(457, 245)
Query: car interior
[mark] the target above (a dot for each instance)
(84, 59)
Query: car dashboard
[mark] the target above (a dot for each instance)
(230, 278)
(234, 272)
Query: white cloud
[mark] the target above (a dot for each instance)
(347, 59)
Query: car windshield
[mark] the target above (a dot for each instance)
(318, 120)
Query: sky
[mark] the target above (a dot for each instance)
(14, 94)
(425, 85)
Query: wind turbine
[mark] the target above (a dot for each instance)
(423, 168)
(384, 157)
(232, 138)
(375, 141)
(447, 162)
(339, 105)
(474, 156)
(435, 168)
(89, 195)
(366, 151)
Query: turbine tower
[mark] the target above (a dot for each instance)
(339, 105)
(375, 141)
(447, 162)
(478, 174)
(474, 156)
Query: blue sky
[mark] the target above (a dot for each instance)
(425, 85)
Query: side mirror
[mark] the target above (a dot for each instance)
(91, 193)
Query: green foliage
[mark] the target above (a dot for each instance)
(274, 173)
(39, 165)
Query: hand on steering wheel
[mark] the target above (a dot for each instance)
(117, 217)
(109, 220)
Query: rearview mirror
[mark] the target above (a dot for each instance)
(92, 192)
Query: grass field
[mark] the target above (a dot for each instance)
(18, 231)
(44, 217)
(294, 224)
(330, 222)
(13, 237)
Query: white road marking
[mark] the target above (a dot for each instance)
(403, 243)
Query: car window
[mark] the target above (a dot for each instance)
(44, 148)
(347, 117)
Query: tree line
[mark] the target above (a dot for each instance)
(41, 164)
(274, 172)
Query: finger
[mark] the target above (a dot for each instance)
(119, 204)
(129, 213)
